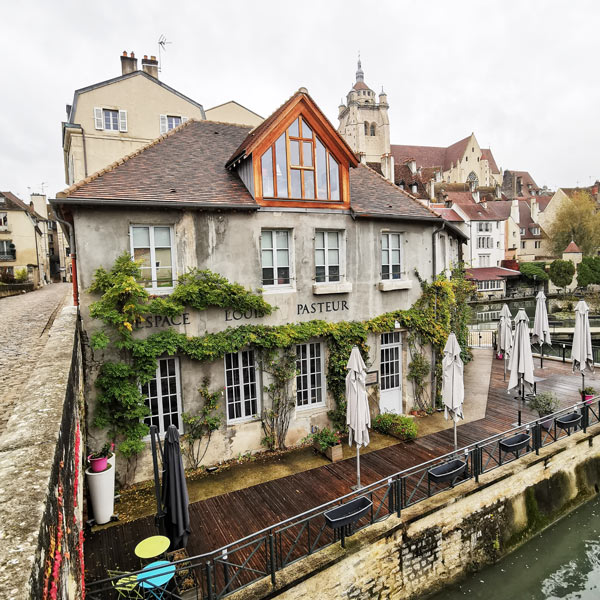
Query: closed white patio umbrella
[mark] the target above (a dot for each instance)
(521, 360)
(541, 329)
(505, 335)
(358, 417)
(581, 353)
(453, 389)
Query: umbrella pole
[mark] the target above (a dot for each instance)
(582, 385)
(358, 486)
(159, 511)
(522, 390)
(504, 356)
(455, 438)
(541, 355)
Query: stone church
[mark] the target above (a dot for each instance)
(364, 124)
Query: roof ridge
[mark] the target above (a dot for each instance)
(112, 166)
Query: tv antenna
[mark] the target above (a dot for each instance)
(162, 46)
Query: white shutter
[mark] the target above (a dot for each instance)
(122, 120)
(163, 124)
(98, 118)
(184, 119)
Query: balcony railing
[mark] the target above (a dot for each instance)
(239, 564)
(9, 256)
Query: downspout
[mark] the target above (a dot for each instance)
(73, 260)
(84, 161)
(434, 269)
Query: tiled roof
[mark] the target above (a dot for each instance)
(454, 153)
(460, 198)
(360, 85)
(543, 202)
(486, 154)
(572, 247)
(184, 166)
(13, 203)
(371, 194)
(487, 211)
(490, 273)
(449, 215)
(572, 191)
(425, 156)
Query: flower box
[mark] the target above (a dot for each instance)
(333, 453)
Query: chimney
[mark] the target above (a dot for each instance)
(514, 185)
(150, 66)
(498, 192)
(432, 189)
(514, 211)
(519, 184)
(412, 165)
(128, 63)
(535, 212)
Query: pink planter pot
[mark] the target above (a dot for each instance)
(97, 465)
(588, 398)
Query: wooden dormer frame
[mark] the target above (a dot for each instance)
(301, 105)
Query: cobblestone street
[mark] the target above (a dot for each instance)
(25, 320)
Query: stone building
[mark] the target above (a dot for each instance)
(112, 118)
(21, 240)
(285, 208)
(233, 112)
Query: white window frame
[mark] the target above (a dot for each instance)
(537, 244)
(484, 226)
(489, 285)
(388, 235)
(522, 230)
(154, 288)
(242, 383)
(310, 346)
(485, 242)
(100, 119)
(159, 397)
(164, 122)
(341, 248)
(484, 258)
(275, 265)
(535, 230)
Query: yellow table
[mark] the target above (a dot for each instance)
(152, 546)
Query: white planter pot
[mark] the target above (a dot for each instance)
(102, 492)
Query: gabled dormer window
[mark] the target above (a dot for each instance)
(299, 166)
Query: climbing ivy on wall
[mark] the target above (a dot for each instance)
(124, 302)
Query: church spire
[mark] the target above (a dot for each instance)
(360, 76)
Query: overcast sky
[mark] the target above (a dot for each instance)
(522, 74)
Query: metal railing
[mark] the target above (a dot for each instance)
(562, 350)
(248, 560)
(484, 338)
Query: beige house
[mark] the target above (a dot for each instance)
(21, 239)
(233, 112)
(113, 118)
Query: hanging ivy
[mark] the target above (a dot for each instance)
(124, 302)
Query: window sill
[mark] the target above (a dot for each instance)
(278, 289)
(163, 291)
(332, 288)
(243, 421)
(307, 407)
(388, 285)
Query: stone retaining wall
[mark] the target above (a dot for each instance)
(41, 477)
(15, 289)
(450, 535)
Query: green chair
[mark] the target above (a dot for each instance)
(126, 586)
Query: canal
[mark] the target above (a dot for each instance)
(563, 562)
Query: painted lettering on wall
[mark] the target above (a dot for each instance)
(160, 321)
(321, 307)
(236, 315)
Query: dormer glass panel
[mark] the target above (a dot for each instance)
(299, 166)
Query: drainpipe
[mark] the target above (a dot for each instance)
(73, 260)
(434, 268)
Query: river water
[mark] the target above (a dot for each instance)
(563, 562)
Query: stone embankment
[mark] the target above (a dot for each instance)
(40, 448)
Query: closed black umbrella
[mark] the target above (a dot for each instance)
(174, 492)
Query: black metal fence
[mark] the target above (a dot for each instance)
(239, 564)
(562, 350)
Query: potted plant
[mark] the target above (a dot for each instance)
(587, 394)
(99, 460)
(328, 442)
(544, 403)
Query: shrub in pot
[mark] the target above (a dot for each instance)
(328, 442)
(588, 393)
(99, 460)
(399, 426)
(544, 403)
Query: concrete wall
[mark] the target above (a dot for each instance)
(41, 474)
(229, 244)
(143, 99)
(232, 112)
(442, 539)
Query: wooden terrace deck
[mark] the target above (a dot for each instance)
(223, 519)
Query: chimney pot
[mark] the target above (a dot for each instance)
(128, 63)
(152, 57)
(132, 54)
(124, 52)
(145, 57)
